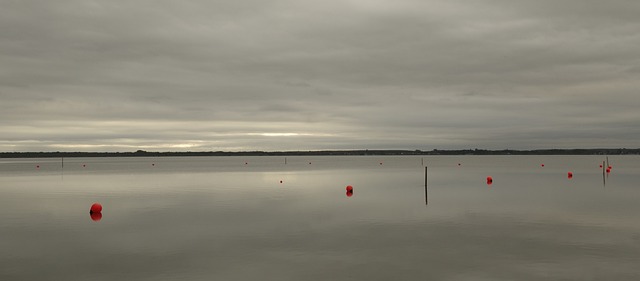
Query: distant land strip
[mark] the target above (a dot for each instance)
(142, 153)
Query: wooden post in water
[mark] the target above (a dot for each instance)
(607, 162)
(604, 182)
(422, 161)
(62, 162)
(426, 196)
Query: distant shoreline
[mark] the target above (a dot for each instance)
(141, 153)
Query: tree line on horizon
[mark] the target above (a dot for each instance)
(142, 153)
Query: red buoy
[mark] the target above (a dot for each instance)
(569, 175)
(95, 208)
(489, 180)
(608, 170)
(600, 165)
(96, 216)
(349, 193)
(349, 188)
(38, 166)
(541, 165)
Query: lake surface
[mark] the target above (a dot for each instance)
(257, 218)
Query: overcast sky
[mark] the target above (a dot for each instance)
(82, 75)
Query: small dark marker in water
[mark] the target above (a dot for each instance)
(38, 166)
(83, 165)
(489, 180)
(570, 175)
(280, 181)
(541, 165)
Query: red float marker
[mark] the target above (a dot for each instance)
(570, 175)
(608, 170)
(95, 208)
(349, 193)
(541, 165)
(349, 188)
(38, 167)
(600, 166)
(489, 180)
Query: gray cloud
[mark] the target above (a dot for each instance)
(288, 75)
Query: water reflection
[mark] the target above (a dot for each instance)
(223, 221)
(95, 216)
(426, 196)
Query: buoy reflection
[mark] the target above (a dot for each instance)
(96, 216)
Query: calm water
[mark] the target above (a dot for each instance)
(231, 218)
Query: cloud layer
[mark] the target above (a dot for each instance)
(299, 75)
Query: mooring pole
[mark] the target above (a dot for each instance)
(426, 196)
(62, 162)
(604, 182)
(425, 176)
